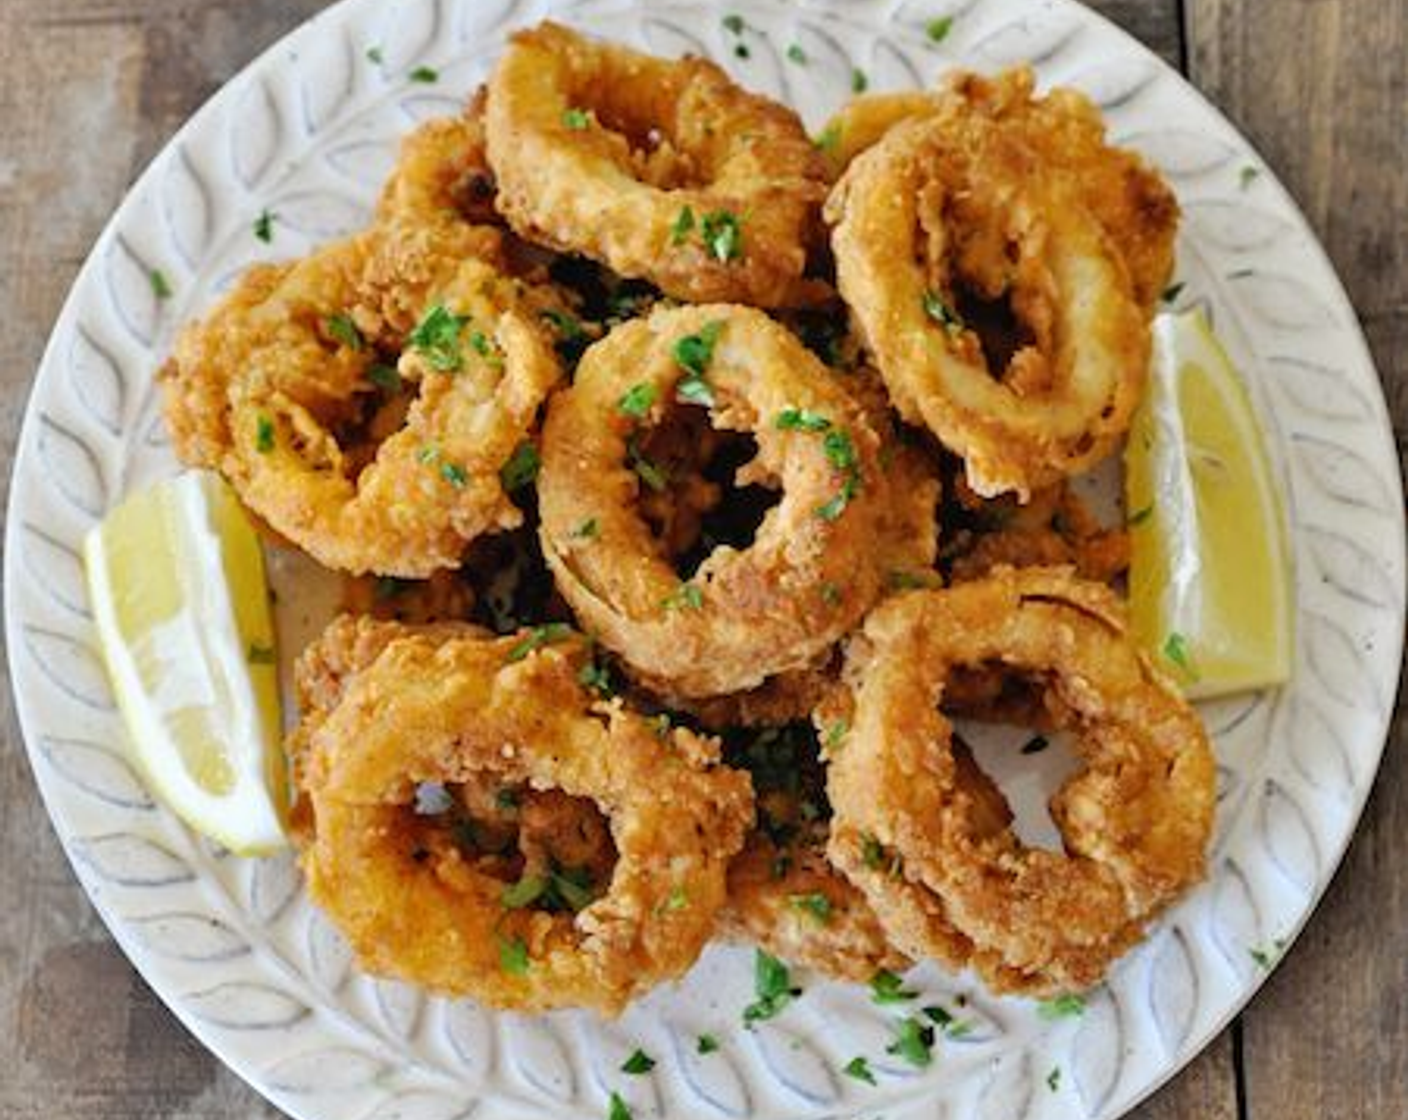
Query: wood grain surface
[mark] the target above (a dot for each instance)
(91, 89)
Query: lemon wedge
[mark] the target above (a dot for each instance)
(1209, 580)
(176, 577)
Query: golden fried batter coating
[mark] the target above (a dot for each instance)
(660, 169)
(452, 908)
(916, 836)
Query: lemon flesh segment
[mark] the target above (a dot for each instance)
(1209, 581)
(176, 578)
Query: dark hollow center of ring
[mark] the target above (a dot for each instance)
(1000, 332)
(556, 848)
(700, 507)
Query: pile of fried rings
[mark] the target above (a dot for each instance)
(690, 475)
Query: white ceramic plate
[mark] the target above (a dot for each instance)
(307, 131)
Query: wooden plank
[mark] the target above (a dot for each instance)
(1322, 89)
(1156, 25)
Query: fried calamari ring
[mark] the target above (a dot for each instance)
(1122, 192)
(912, 833)
(951, 205)
(745, 615)
(660, 169)
(443, 171)
(783, 892)
(291, 389)
(422, 907)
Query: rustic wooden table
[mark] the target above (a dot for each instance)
(90, 90)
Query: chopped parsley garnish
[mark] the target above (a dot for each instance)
(595, 677)
(832, 509)
(384, 377)
(264, 435)
(1138, 517)
(1036, 744)
(942, 313)
(940, 1015)
(374, 55)
(264, 226)
(569, 888)
(437, 338)
(860, 81)
(342, 329)
(801, 420)
(734, 23)
(428, 454)
(537, 638)
(707, 1044)
(908, 581)
(261, 655)
(161, 286)
(1265, 958)
(1061, 1007)
(562, 889)
(952, 1028)
(572, 339)
(576, 119)
(872, 852)
(859, 1068)
(938, 29)
(649, 473)
(454, 474)
(772, 983)
(835, 735)
(688, 596)
(815, 904)
(587, 529)
(487, 349)
(914, 1042)
(506, 799)
(618, 1109)
(742, 51)
(683, 226)
(1177, 651)
(887, 987)
(839, 450)
(722, 234)
(694, 352)
(830, 594)
(513, 956)
(523, 893)
(639, 1062)
(425, 74)
(829, 138)
(521, 468)
(1172, 292)
(677, 900)
(636, 401)
(1247, 175)
(796, 54)
(693, 389)
(1053, 1079)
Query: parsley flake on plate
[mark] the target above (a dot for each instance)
(772, 983)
